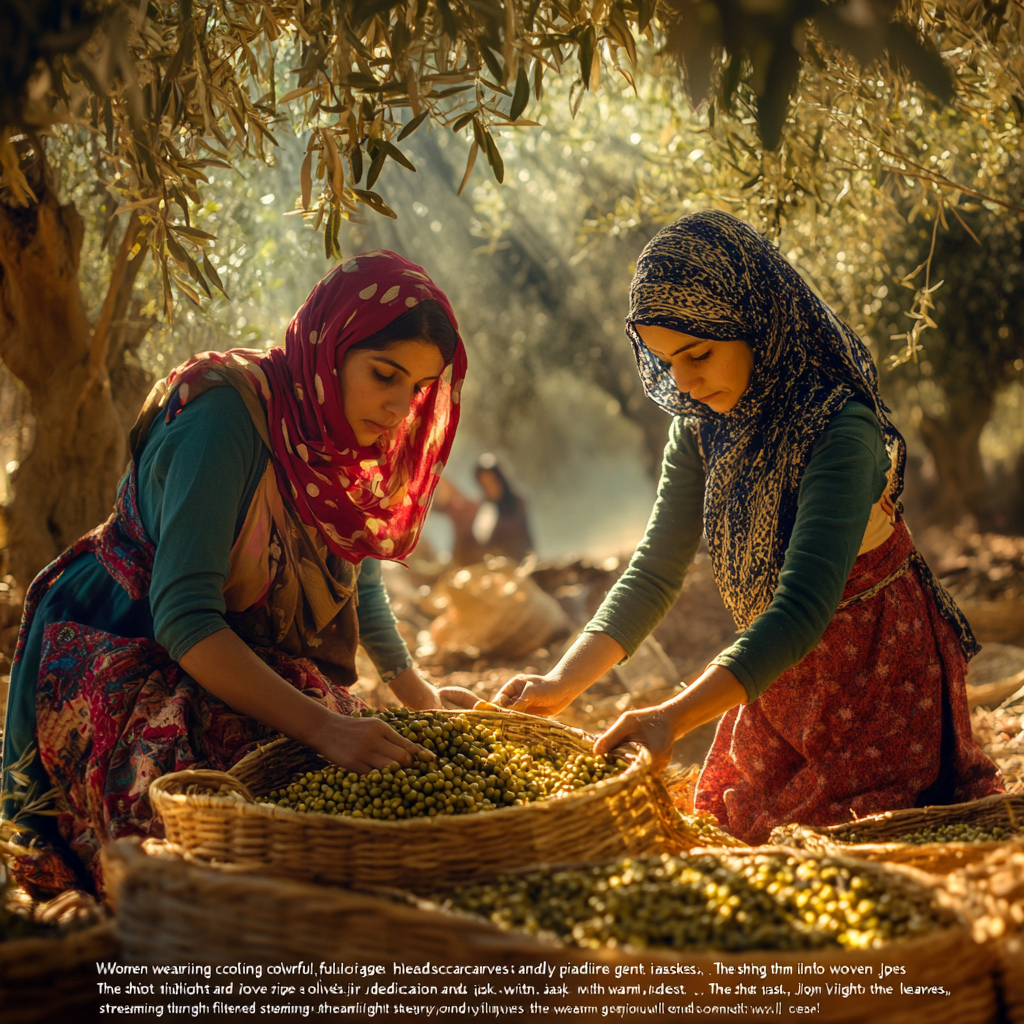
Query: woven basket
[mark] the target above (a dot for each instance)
(994, 890)
(45, 978)
(936, 858)
(630, 813)
(171, 910)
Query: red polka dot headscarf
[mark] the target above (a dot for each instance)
(363, 501)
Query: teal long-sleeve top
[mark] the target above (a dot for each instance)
(845, 476)
(197, 477)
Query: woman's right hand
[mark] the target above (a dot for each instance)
(362, 744)
(536, 695)
(230, 670)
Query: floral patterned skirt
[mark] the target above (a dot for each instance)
(875, 718)
(97, 709)
(112, 715)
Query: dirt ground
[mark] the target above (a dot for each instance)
(985, 573)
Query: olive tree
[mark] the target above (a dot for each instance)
(158, 94)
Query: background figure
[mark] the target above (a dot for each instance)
(462, 512)
(500, 526)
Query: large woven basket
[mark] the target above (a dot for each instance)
(173, 911)
(630, 813)
(49, 978)
(994, 890)
(936, 858)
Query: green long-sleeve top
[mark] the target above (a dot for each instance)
(197, 477)
(845, 476)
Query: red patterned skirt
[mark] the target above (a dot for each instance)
(875, 718)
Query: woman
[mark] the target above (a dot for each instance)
(450, 501)
(222, 603)
(844, 693)
(500, 526)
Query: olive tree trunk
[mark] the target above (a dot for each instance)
(66, 483)
(953, 440)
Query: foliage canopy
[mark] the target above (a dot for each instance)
(168, 89)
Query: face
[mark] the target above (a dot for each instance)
(713, 372)
(377, 388)
(490, 484)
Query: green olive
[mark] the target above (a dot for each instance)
(704, 902)
(474, 771)
(953, 832)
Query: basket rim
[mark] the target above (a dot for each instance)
(1013, 802)
(12, 950)
(162, 795)
(931, 848)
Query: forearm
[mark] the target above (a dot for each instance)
(715, 692)
(585, 662)
(589, 658)
(414, 691)
(223, 664)
(378, 627)
(658, 727)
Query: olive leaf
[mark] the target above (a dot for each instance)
(380, 154)
(396, 154)
(473, 150)
(306, 179)
(413, 125)
(494, 157)
(211, 273)
(521, 95)
(375, 202)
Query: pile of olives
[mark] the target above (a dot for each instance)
(706, 827)
(955, 832)
(767, 901)
(475, 770)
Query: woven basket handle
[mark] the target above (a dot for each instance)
(198, 784)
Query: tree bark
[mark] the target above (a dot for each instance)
(953, 440)
(66, 484)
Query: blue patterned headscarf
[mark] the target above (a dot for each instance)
(711, 276)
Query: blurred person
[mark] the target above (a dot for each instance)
(462, 511)
(845, 691)
(500, 526)
(221, 604)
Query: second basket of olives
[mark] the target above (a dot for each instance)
(810, 931)
(938, 839)
(497, 790)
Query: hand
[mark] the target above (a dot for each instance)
(590, 656)
(414, 691)
(536, 695)
(228, 668)
(362, 744)
(657, 728)
(653, 728)
(458, 697)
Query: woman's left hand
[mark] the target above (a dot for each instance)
(414, 691)
(458, 697)
(715, 692)
(653, 728)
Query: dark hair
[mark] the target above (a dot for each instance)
(508, 502)
(427, 320)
